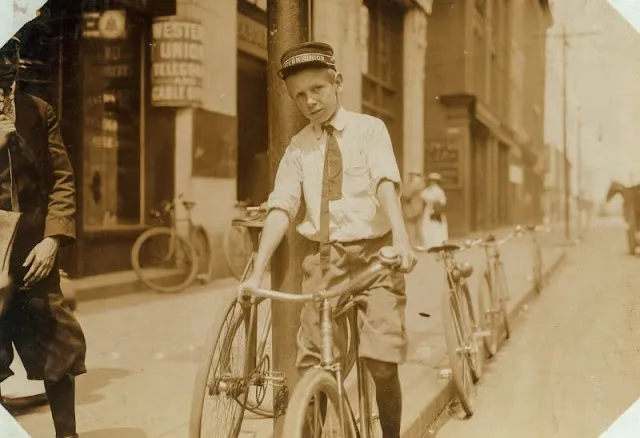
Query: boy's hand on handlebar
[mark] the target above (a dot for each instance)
(253, 282)
(406, 256)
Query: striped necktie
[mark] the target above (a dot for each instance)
(331, 191)
(7, 107)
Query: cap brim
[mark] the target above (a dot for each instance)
(288, 71)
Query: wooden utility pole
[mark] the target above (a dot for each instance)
(567, 187)
(288, 24)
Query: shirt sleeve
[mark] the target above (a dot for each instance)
(380, 157)
(287, 189)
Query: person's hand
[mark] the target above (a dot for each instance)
(40, 260)
(252, 282)
(7, 128)
(403, 247)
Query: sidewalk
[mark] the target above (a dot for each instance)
(424, 394)
(144, 350)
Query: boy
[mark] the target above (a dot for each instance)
(344, 164)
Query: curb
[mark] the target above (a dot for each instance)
(420, 428)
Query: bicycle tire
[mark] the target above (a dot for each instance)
(213, 358)
(486, 306)
(370, 428)
(460, 374)
(237, 240)
(200, 242)
(185, 246)
(537, 269)
(503, 294)
(312, 382)
(477, 362)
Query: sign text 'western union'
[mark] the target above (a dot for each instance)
(177, 62)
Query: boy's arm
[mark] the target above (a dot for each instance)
(387, 187)
(282, 207)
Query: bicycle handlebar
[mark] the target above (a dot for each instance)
(388, 258)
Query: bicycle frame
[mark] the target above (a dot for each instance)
(328, 361)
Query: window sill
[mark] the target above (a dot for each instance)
(123, 231)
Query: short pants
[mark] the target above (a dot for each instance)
(45, 332)
(381, 323)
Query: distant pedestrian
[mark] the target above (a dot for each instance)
(434, 221)
(413, 206)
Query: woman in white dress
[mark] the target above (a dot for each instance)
(434, 223)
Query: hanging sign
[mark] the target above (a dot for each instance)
(177, 59)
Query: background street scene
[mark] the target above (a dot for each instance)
(521, 113)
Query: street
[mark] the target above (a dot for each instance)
(570, 356)
(571, 367)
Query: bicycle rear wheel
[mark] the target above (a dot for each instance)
(164, 261)
(237, 247)
(458, 335)
(502, 293)
(315, 407)
(369, 416)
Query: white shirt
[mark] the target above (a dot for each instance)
(367, 159)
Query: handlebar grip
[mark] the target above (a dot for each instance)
(389, 256)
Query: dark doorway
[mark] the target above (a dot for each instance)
(253, 130)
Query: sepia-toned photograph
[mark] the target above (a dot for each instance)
(319, 218)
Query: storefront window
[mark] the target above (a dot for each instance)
(112, 59)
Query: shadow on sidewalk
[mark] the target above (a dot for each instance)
(120, 432)
(88, 385)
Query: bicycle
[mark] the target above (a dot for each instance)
(181, 260)
(327, 379)
(226, 379)
(461, 329)
(537, 276)
(494, 292)
(237, 242)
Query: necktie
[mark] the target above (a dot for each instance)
(7, 108)
(331, 191)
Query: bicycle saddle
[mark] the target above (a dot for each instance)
(249, 222)
(188, 204)
(447, 247)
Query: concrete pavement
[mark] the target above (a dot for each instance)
(572, 368)
(144, 351)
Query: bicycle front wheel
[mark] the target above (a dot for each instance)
(489, 318)
(502, 293)
(221, 392)
(316, 410)
(457, 332)
(164, 261)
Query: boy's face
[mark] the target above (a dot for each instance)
(315, 92)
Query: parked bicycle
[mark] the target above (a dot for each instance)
(319, 405)
(537, 276)
(461, 329)
(238, 243)
(168, 261)
(493, 293)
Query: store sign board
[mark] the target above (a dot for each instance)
(252, 37)
(177, 62)
(108, 25)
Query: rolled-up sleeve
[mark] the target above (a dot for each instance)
(287, 189)
(380, 157)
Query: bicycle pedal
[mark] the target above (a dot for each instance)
(482, 334)
(445, 374)
(275, 378)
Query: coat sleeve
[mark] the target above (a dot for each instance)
(61, 213)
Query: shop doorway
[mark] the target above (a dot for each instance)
(253, 130)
